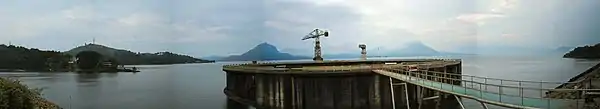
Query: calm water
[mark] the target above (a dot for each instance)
(200, 85)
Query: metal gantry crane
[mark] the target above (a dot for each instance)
(315, 34)
(363, 52)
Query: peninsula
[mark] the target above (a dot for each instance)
(585, 52)
(21, 59)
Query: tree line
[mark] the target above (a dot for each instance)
(18, 57)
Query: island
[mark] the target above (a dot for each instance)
(585, 52)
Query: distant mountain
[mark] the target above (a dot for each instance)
(263, 51)
(411, 49)
(585, 52)
(342, 55)
(455, 54)
(415, 49)
(507, 50)
(564, 49)
(213, 57)
(130, 58)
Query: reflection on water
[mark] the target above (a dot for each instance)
(87, 77)
(201, 85)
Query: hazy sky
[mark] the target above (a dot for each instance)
(222, 27)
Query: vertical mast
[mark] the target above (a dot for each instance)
(317, 50)
(316, 34)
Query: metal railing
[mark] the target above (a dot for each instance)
(482, 87)
(266, 69)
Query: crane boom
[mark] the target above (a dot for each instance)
(316, 33)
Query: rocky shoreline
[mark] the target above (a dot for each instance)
(15, 95)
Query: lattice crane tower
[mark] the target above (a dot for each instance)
(315, 34)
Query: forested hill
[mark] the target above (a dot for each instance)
(585, 52)
(17, 57)
(131, 58)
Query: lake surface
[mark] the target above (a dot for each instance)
(201, 85)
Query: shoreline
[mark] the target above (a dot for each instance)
(126, 69)
(582, 58)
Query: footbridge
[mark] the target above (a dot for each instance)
(493, 91)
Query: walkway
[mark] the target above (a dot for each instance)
(510, 96)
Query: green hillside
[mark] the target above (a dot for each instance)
(17, 57)
(126, 57)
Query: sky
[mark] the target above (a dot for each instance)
(224, 27)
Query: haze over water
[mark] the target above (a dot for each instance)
(201, 85)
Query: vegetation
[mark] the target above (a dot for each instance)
(167, 58)
(17, 57)
(14, 95)
(130, 58)
(585, 52)
(88, 59)
(13, 58)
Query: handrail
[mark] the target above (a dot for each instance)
(500, 87)
(502, 79)
(422, 77)
(505, 86)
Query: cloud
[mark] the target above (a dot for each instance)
(381, 23)
(479, 18)
(142, 27)
(496, 9)
(232, 26)
(288, 21)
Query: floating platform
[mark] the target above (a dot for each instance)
(343, 84)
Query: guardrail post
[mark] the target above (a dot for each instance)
(500, 90)
(480, 91)
(452, 83)
(541, 91)
(485, 83)
(521, 94)
(472, 86)
(465, 85)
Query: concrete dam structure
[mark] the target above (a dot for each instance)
(338, 85)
